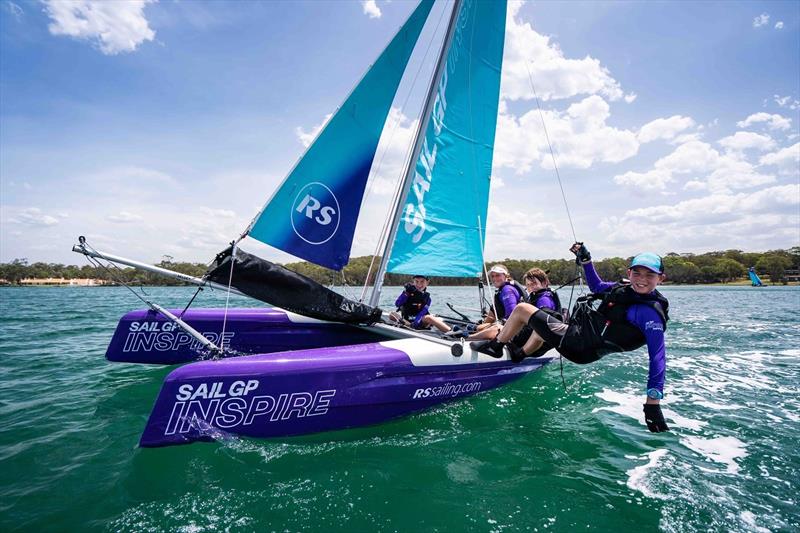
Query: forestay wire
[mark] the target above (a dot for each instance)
(552, 153)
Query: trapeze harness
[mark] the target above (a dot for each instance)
(593, 333)
(498, 302)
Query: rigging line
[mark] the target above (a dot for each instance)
(403, 106)
(227, 298)
(552, 154)
(405, 158)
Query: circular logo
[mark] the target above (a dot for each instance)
(315, 213)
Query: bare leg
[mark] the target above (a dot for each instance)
(438, 323)
(534, 343)
(485, 334)
(519, 317)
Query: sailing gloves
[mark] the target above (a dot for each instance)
(654, 418)
(582, 255)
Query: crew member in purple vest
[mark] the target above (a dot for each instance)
(631, 314)
(413, 306)
(527, 343)
(509, 293)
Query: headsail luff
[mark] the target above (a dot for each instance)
(313, 213)
(444, 217)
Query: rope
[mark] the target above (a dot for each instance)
(552, 153)
(199, 289)
(227, 298)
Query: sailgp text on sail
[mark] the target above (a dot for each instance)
(415, 214)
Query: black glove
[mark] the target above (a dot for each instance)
(582, 255)
(654, 418)
(410, 288)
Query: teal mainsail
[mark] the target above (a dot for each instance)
(313, 214)
(443, 224)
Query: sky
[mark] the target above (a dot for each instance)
(162, 127)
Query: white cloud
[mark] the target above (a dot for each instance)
(653, 180)
(33, 216)
(746, 140)
(720, 208)
(772, 121)
(786, 159)
(509, 231)
(554, 75)
(218, 213)
(707, 168)
(124, 217)
(14, 9)
(779, 25)
(664, 128)
(786, 101)
(113, 27)
(761, 20)
(580, 137)
(307, 137)
(630, 97)
(371, 9)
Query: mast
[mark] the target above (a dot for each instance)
(408, 179)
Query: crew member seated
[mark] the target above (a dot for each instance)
(413, 307)
(528, 343)
(509, 293)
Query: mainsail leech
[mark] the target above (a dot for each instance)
(313, 213)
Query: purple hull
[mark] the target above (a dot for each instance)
(145, 336)
(308, 391)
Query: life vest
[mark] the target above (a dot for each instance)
(415, 301)
(522, 294)
(533, 298)
(608, 325)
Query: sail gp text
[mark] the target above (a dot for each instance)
(166, 336)
(226, 406)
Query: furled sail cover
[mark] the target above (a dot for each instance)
(288, 290)
(444, 218)
(314, 212)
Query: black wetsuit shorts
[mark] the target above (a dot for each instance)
(566, 337)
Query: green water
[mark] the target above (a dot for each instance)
(526, 457)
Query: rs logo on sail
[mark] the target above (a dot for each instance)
(315, 213)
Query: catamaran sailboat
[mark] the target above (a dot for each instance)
(319, 361)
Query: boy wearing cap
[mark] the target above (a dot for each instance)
(630, 315)
(413, 305)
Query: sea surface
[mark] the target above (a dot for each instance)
(530, 456)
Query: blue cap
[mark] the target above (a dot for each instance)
(650, 261)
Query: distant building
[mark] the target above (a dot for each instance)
(78, 282)
(791, 274)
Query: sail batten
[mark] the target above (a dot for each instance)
(313, 213)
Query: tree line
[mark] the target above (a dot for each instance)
(711, 267)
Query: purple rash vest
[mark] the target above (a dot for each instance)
(649, 323)
(422, 312)
(510, 298)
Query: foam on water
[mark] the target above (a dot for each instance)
(638, 476)
(723, 450)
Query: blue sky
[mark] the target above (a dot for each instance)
(162, 127)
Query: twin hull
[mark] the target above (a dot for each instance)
(319, 376)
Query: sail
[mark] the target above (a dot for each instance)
(443, 225)
(754, 279)
(313, 213)
(274, 284)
